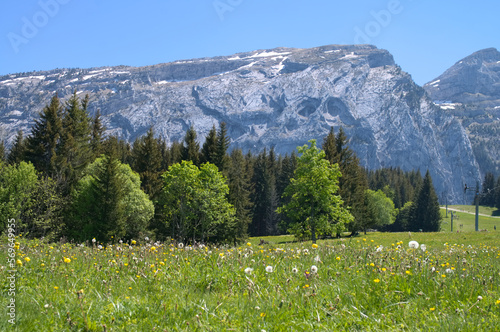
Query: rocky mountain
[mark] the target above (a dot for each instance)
(281, 97)
(470, 91)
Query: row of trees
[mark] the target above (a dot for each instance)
(490, 194)
(67, 179)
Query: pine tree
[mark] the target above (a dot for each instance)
(74, 151)
(488, 194)
(18, 151)
(223, 141)
(176, 152)
(239, 191)
(209, 149)
(191, 150)
(265, 198)
(497, 193)
(147, 162)
(353, 182)
(97, 138)
(45, 137)
(3, 156)
(426, 215)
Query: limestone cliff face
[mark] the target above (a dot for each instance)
(470, 91)
(281, 97)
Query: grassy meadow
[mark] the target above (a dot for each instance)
(372, 282)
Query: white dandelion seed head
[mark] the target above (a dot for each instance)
(423, 247)
(269, 269)
(306, 251)
(433, 269)
(294, 270)
(314, 269)
(413, 244)
(93, 240)
(449, 271)
(248, 270)
(46, 305)
(317, 259)
(479, 298)
(146, 238)
(379, 249)
(180, 245)
(121, 241)
(99, 247)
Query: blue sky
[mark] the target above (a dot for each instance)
(425, 36)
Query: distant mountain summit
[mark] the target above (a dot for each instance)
(470, 90)
(475, 78)
(278, 98)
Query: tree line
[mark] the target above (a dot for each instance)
(66, 179)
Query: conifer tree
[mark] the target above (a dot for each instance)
(97, 136)
(426, 215)
(265, 198)
(42, 144)
(18, 151)
(74, 151)
(210, 147)
(176, 152)
(353, 182)
(239, 191)
(3, 155)
(147, 162)
(497, 193)
(488, 193)
(223, 141)
(191, 149)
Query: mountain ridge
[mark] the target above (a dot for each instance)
(279, 98)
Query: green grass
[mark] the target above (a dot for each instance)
(356, 287)
(468, 220)
(486, 210)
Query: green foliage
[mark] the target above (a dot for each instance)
(34, 203)
(315, 206)
(195, 204)
(108, 202)
(42, 144)
(209, 149)
(147, 162)
(18, 151)
(353, 183)
(381, 209)
(426, 215)
(191, 149)
(239, 191)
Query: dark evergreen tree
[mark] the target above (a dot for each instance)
(41, 145)
(426, 215)
(353, 182)
(209, 149)
(223, 141)
(176, 152)
(497, 193)
(74, 151)
(117, 148)
(265, 198)
(191, 150)
(239, 191)
(488, 193)
(18, 151)
(3, 156)
(147, 162)
(99, 214)
(287, 169)
(97, 139)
